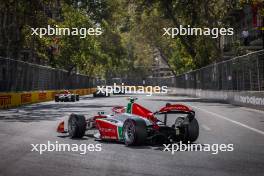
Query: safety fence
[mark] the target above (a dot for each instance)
(243, 73)
(22, 76)
(24, 83)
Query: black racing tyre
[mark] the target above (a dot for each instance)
(134, 131)
(77, 97)
(76, 126)
(189, 130)
(57, 99)
(73, 98)
(193, 130)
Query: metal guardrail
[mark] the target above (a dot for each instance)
(22, 76)
(243, 73)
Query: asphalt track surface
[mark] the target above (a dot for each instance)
(219, 124)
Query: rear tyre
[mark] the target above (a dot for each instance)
(188, 130)
(76, 126)
(77, 97)
(73, 98)
(193, 130)
(134, 132)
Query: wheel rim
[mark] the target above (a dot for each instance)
(129, 133)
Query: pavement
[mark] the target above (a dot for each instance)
(219, 124)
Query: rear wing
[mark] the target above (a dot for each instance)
(175, 109)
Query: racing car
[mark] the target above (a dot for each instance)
(136, 125)
(66, 96)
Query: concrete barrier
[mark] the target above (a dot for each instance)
(243, 98)
(14, 99)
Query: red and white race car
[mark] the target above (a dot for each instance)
(136, 125)
(66, 96)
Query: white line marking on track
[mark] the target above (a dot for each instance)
(233, 121)
(206, 127)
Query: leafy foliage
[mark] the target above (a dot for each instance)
(132, 31)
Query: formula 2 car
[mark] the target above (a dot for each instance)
(136, 125)
(66, 96)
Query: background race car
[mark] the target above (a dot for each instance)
(66, 96)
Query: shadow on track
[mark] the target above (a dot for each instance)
(48, 112)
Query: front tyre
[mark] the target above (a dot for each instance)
(57, 99)
(76, 126)
(134, 132)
